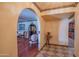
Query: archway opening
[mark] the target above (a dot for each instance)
(28, 33)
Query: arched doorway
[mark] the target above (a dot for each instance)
(28, 33)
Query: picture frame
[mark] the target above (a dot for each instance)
(21, 26)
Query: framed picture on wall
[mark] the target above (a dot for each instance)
(21, 26)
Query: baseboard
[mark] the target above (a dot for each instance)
(59, 45)
(4, 55)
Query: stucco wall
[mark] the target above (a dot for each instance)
(9, 13)
(53, 28)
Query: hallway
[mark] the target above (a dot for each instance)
(52, 19)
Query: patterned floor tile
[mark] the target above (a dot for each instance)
(56, 51)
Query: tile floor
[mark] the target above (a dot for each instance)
(24, 50)
(56, 51)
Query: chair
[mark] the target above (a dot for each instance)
(33, 40)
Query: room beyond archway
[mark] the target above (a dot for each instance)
(28, 33)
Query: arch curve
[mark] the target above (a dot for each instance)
(29, 12)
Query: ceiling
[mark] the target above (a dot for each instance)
(43, 6)
(57, 17)
(27, 15)
(64, 15)
(50, 18)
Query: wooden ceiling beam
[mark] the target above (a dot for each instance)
(75, 4)
(71, 16)
(72, 5)
(59, 11)
(37, 6)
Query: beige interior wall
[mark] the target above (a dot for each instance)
(9, 13)
(77, 32)
(53, 27)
